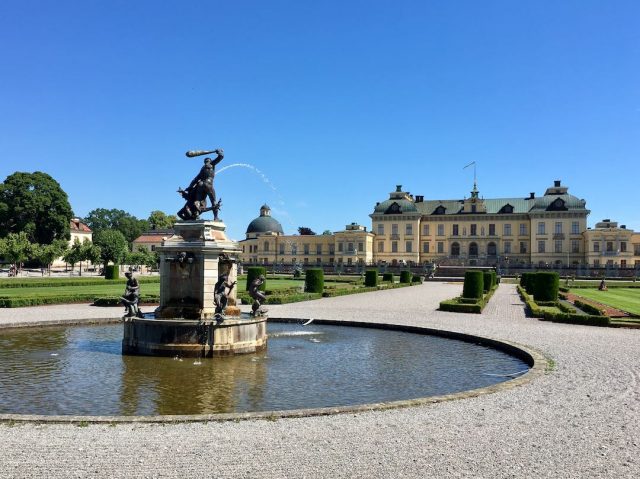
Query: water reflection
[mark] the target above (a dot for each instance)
(79, 370)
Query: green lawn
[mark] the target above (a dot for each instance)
(104, 290)
(626, 299)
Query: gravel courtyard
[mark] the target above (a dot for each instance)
(581, 419)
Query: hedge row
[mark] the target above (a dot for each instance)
(467, 305)
(405, 276)
(366, 289)
(589, 308)
(281, 299)
(388, 277)
(57, 282)
(113, 301)
(253, 272)
(561, 317)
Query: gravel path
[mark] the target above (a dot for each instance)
(580, 420)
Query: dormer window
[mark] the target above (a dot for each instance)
(439, 210)
(507, 209)
(393, 209)
(557, 205)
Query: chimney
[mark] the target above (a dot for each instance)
(557, 183)
(532, 195)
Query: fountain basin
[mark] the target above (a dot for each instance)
(194, 338)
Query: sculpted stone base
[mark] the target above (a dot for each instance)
(189, 338)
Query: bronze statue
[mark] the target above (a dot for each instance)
(201, 188)
(131, 297)
(257, 295)
(221, 295)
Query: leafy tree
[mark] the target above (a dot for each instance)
(103, 219)
(327, 232)
(112, 244)
(47, 254)
(34, 203)
(17, 247)
(158, 220)
(91, 252)
(305, 231)
(74, 254)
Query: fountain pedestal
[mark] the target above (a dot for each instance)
(185, 323)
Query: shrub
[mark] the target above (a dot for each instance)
(473, 284)
(589, 308)
(388, 277)
(452, 305)
(546, 286)
(416, 279)
(487, 279)
(371, 277)
(526, 281)
(314, 280)
(112, 271)
(405, 276)
(253, 272)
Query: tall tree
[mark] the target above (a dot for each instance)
(112, 244)
(46, 254)
(34, 203)
(305, 231)
(17, 247)
(159, 220)
(103, 219)
(74, 254)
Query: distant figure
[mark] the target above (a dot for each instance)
(221, 293)
(603, 286)
(131, 297)
(257, 295)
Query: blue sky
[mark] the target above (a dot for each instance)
(334, 102)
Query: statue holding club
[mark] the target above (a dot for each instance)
(201, 188)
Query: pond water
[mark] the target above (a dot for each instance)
(79, 370)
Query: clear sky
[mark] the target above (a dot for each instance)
(335, 102)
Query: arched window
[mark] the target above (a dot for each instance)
(491, 249)
(473, 249)
(455, 249)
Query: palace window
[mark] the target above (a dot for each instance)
(425, 247)
(440, 230)
(523, 229)
(281, 247)
(623, 246)
(623, 263)
(265, 246)
(610, 247)
(332, 249)
(523, 247)
(394, 246)
(381, 229)
(425, 230)
(380, 246)
(491, 249)
(507, 247)
(575, 228)
(394, 229)
(409, 246)
(360, 246)
(454, 230)
(541, 246)
(507, 230)
(474, 230)
(440, 247)
(294, 249)
(455, 249)
(306, 248)
(558, 246)
(340, 247)
(596, 246)
(596, 263)
(473, 249)
(558, 227)
(541, 228)
(408, 229)
(350, 247)
(492, 230)
(318, 249)
(575, 246)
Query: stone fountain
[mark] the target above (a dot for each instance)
(192, 320)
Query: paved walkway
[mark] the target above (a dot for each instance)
(580, 420)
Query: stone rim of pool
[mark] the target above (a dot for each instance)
(537, 363)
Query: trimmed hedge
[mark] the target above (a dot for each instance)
(416, 279)
(56, 282)
(253, 272)
(405, 276)
(546, 286)
(388, 277)
(314, 281)
(454, 306)
(488, 280)
(527, 281)
(589, 308)
(113, 301)
(473, 284)
(371, 277)
(112, 271)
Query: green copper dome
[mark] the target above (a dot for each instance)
(265, 223)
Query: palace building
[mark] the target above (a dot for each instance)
(545, 231)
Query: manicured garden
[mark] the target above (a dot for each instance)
(478, 288)
(624, 299)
